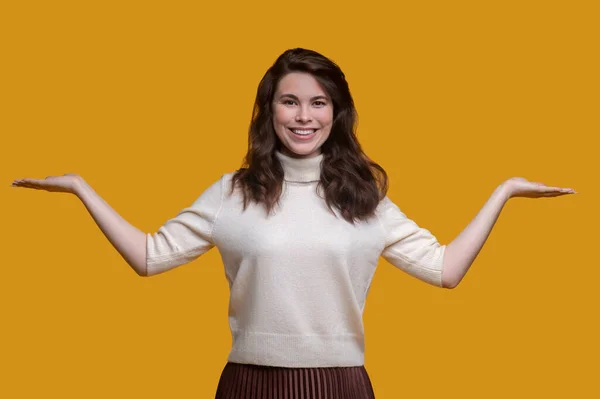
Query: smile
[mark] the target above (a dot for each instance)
(303, 134)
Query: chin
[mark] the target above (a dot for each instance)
(305, 152)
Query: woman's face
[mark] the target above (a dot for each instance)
(302, 115)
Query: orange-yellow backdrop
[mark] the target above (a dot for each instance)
(150, 102)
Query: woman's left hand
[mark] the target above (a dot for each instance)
(520, 187)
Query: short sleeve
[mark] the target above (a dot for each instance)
(187, 235)
(409, 247)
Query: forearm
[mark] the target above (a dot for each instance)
(129, 241)
(462, 251)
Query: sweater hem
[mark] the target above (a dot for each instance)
(297, 351)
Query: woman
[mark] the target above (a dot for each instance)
(300, 230)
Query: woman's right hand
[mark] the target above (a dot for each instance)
(67, 183)
(128, 240)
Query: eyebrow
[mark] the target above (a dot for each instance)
(319, 97)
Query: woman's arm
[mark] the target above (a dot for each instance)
(462, 251)
(127, 240)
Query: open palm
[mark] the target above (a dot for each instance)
(66, 183)
(520, 187)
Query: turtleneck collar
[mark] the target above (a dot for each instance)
(301, 170)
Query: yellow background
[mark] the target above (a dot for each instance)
(150, 102)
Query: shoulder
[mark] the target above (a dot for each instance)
(389, 214)
(221, 182)
(387, 206)
(214, 192)
(227, 177)
(223, 188)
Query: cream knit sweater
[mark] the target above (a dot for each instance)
(299, 278)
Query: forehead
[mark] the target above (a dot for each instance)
(300, 84)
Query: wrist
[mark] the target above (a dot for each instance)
(504, 191)
(79, 186)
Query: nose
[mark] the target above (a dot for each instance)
(303, 115)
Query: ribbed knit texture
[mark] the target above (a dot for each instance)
(260, 382)
(298, 278)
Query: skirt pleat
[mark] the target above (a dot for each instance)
(249, 381)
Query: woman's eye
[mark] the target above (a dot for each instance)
(289, 102)
(319, 103)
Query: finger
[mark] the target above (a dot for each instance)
(558, 193)
(26, 184)
(555, 195)
(550, 189)
(567, 190)
(29, 183)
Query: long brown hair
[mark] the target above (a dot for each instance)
(351, 182)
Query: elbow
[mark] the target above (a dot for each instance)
(450, 282)
(140, 264)
(141, 260)
(142, 273)
(451, 274)
(141, 269)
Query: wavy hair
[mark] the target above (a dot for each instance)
(351, 182)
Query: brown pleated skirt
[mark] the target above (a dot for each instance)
(248, 381)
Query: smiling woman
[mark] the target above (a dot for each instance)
(304, 109)
(300, 228)
(303, 115)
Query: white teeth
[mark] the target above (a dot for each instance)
(303, 132)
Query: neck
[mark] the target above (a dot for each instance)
(300, 169)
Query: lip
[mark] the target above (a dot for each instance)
(307, 137)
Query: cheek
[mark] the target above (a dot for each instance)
(281, 116)
(326, 117)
